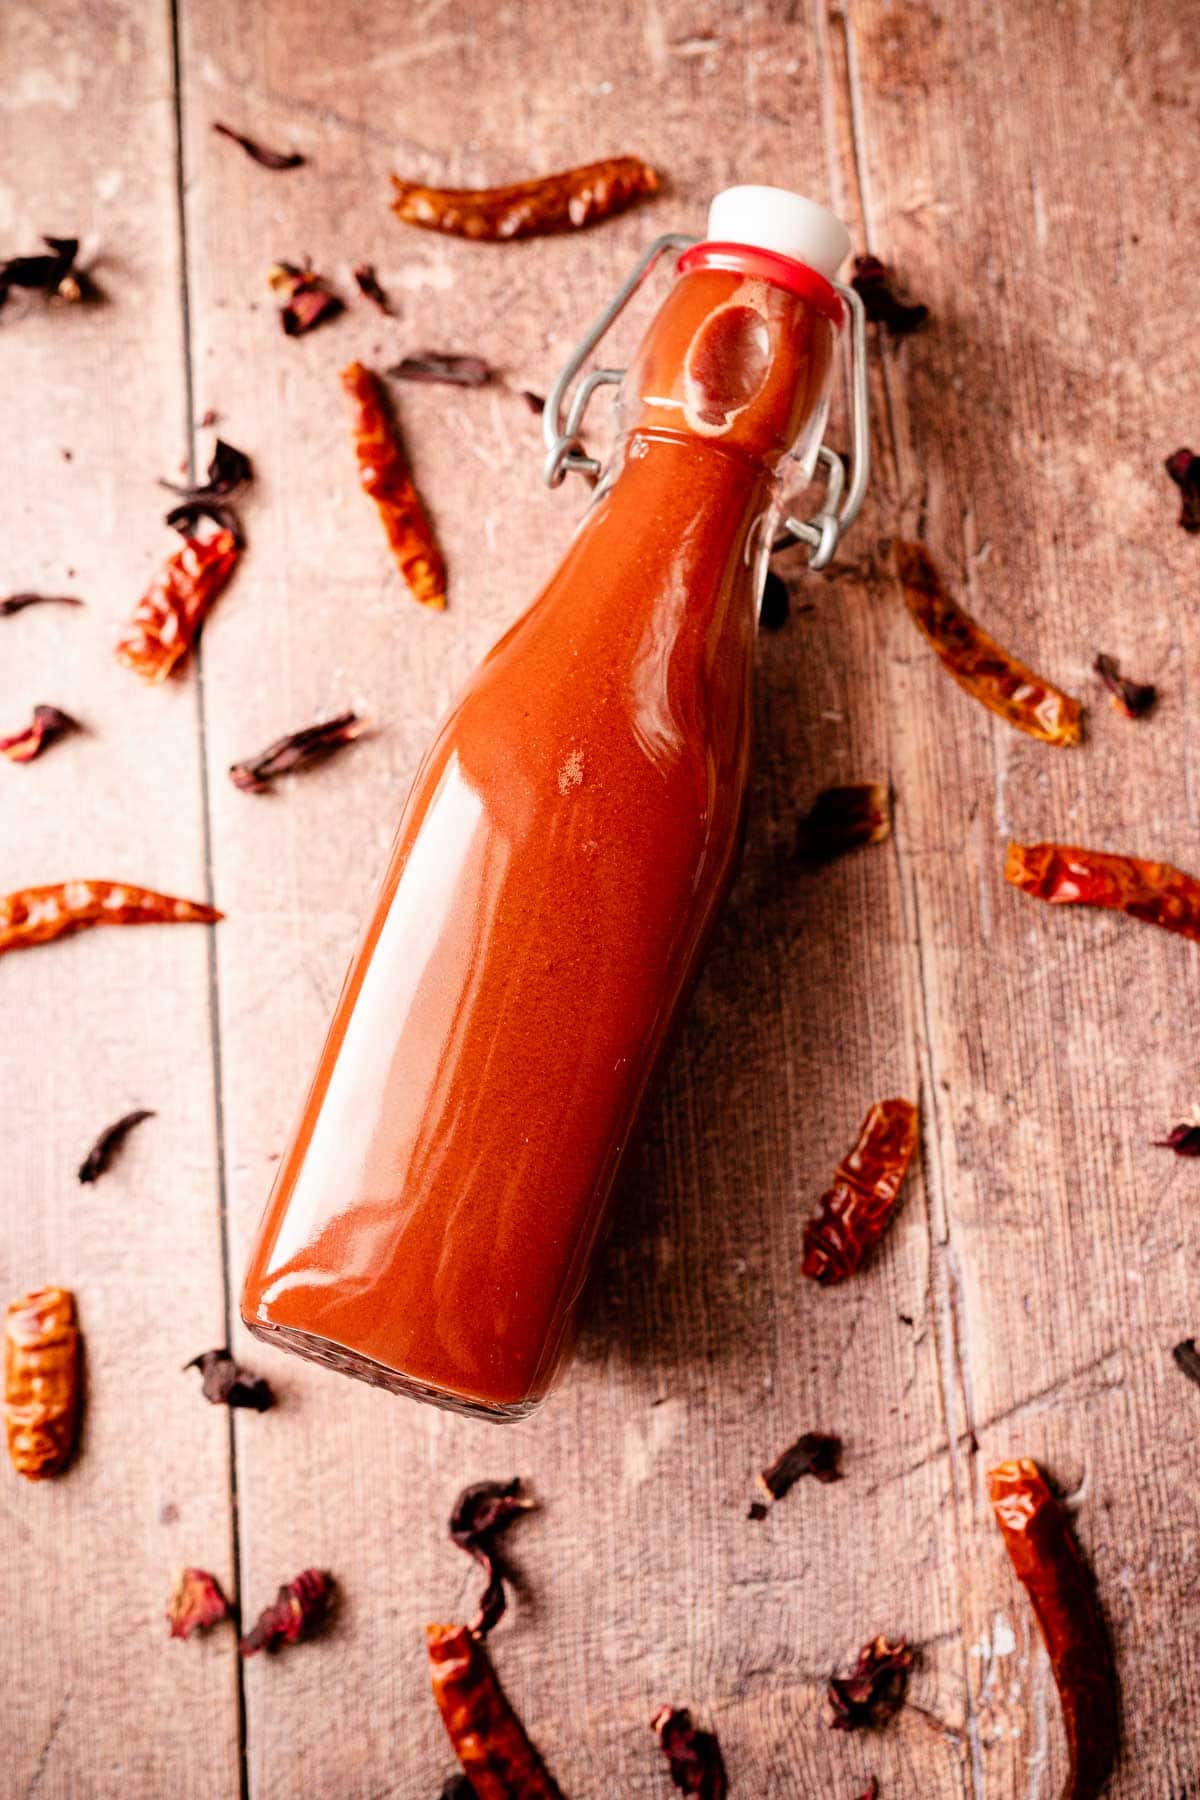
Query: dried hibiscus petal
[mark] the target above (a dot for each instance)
(229, 471)
(574, 198)
(1184, 1140)
(872, 283)
(535, 402)
(38, 915)
(53, 271)
(481, 1512)
(307, 301)
(225, 1383)
(1184, 469)
(488, 1738)
(852, 1214)
(297, 750)
(47, 724)
(693, 1756)
(169, 614)
(383, 475)
(434, 365)
(196, 1603)
(1133, 698)
(108, 1143)
(815, 1453)
(259, 153)
(299, 1609)
(371, 288)
(1066, 874)
(875, 1687)
(15, 603)
(844, 818)
(1187, 1358)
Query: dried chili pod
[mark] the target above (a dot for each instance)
(41, 1381)
(169, 614)
(1183, 466)
(844, 818)
(872, 282)
(571, 199)
(489, 1740)
(874, 1689)
(693, 1756)
(1132, 698)
(481, 1512)
(108, 1143)
(37, 915)
(47, 724)
(297, 750)
(299, 1609)
(852, 1214)
(1067, 875)
(225, 1383)
(383, 475)
(259, 153)
(1047, 1562)
(15, 603)
(196, 1602)
(977, 662)
(814, 1453)
(437, 365)
(457, 1787)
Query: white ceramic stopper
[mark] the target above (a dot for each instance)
(771, 218)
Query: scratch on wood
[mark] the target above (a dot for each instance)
(56, 1725)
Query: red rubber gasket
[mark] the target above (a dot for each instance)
(768, 265)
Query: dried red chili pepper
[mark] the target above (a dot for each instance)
(1184, 1140)
(480, 1514)
(571, 199)
(872, 283)
(852, 1214)
(434, 365)
(47, 724)
(299, 1610)
(457, 1787)
(1187, 1358)
(169, 614)
(693, 1756)
(1183, 466)
(15, 603)
(1047, 1562)
(108, 1143)
(225, 1383)
(36, 915)
(1132, 698)
(488, 1738)
(1066, 875)
(874, 1689)
(815, 1453)
(843, 819)
(41, 1381)
(297, 750)
(384, 475)
(196, 1602)
(259, 153)
(307, 301)
(977, 662)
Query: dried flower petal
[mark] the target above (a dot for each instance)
(52, 273)
(1187, 1358)
(874, 1689)
(306, 299)
(229, 470)
(371, 288)
(434, 365)
(267, 159)
(225, 1383)
(15, 603)
(816, 1453)
(693, 1756)
(1184, 469)
(480, 1514)
(1184, 1140)
(108, 1143)
(871, 281)
(196, 1603)
(871, 1792)
(299, 1610)
(535, 402)
(843, 819)
(1133, 698)
(776, 603)
(297, 750)
(47, 724)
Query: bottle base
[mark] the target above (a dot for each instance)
(365, 1368)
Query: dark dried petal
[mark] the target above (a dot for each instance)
(371, 288)
(874, 1689)
(813, 1454)
(185, 517)
(15, 603)
(871, 1791)
(108, 1143)
(196, 1602)
(693, 1756)
(757, 1510)
(480, 1514)
(843, 819)
(267, 159)
(47, 724)
(229, 470)
(1133, 698)
(48, 273)
(299, 1610)
(457, 1787)
(535, 402)
(1184, 469)
(433, 365)
(306, 299)
(225, 1383)
(872, 283)
(1187, 1358)
(296, 751)
(776, 603)
(1184, 1140)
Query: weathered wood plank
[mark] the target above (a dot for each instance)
(706, 1351)
(95, 1700)
(1014, 164)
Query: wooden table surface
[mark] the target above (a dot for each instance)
(1027, 167)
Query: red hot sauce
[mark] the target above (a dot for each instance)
(562, 855)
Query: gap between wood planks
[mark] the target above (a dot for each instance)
(214, 996)
(842, 107)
